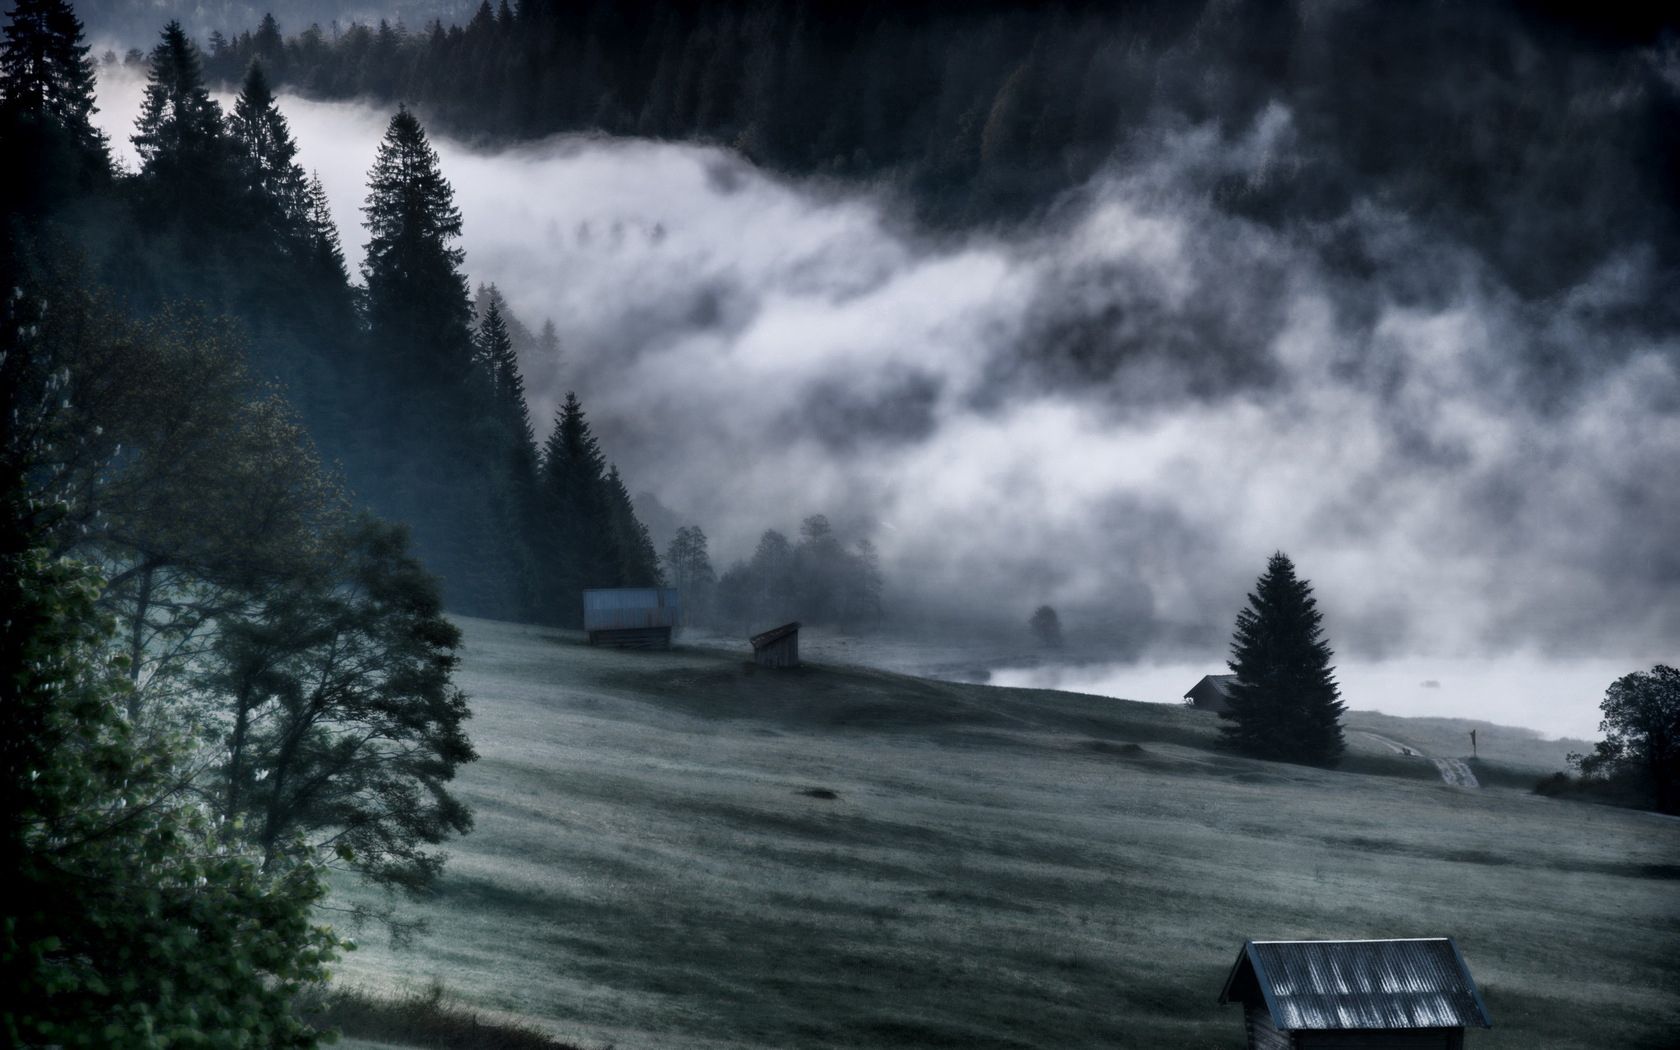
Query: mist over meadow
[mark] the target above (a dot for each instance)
(1119, 408)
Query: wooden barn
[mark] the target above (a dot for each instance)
(631, 617)
(1212, 693)
(777, 647)
(1355, 995)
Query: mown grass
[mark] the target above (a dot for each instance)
(658, 863)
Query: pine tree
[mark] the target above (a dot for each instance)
(45, 72)
(267, 155)
(494, 354)
(179, 135)
(576, 542)
(52, 150)
(1285, 703)
(418, 310)
(637, 560)
(321, 231)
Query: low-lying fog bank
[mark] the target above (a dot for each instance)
(1121, 413)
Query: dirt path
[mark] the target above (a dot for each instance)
(1453, 770)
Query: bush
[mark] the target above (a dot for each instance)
(424, 1018)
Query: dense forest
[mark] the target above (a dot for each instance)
(988, 112)
(408, 392)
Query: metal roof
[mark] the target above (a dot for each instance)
(774, 634)
(1221, 683)
(1421, 983)
(630, 608)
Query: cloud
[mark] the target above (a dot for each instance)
(1120, 412)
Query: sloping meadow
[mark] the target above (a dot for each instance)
(675, 851)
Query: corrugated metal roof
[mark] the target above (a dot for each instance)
(774, 634)
(629, 608)
(1419, 983)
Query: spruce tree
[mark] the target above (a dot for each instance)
(500, 362)
(578, 550)
(321, 232)
(1285, 703)
(179, 135)
(637, 559)
(45, 73)
(267, 155)
(52, 150)
(418, 310)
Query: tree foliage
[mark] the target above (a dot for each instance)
(179, 135)
(48, 76)
(1046, 626)
(1284, 703)
(271, 178)
(688, 568)
(131, 917)
(1641, 744)
(345, 727)
(993, 110)
(817, 580)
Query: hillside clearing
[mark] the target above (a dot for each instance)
(675, 851)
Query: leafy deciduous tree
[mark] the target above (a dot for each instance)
(1641, 730)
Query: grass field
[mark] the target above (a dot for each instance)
(674, 851)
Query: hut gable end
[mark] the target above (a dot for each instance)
(1212, 693)
(777, 647)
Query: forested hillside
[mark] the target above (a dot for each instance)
(1471, 117)
(414, 399)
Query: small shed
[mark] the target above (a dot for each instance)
(631, 617)
(1212, 693)
(777, 647)
(1355, 995)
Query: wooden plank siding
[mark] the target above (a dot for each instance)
(1262, 1034)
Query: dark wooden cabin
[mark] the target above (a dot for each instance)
(777, 647)
(1355, 995)
(1212, 693)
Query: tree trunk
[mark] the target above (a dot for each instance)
(137, 635)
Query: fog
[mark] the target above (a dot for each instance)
(1120, 412)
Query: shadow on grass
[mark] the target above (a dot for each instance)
(426, 1018)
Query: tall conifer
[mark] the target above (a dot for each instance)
(45, 72)
(179, 135)
(267, 154)
(1285, 703)
(637, 558)
(418, 310)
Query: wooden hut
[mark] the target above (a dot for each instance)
(1212, 693)
(777, 647)
(631, 617)
(1355, 995)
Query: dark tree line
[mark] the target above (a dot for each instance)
(988, 110)
(218, 674)
(417, 399)
(817, 580)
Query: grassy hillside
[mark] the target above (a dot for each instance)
(674, 851)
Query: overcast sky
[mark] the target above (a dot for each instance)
(753, 349)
